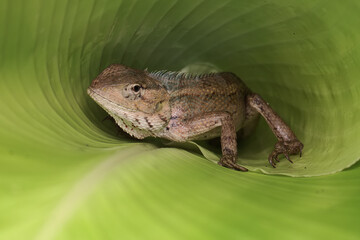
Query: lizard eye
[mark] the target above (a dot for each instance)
(136, 88)
(132, 91)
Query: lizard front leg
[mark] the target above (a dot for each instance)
(229, 144)
(198, 126)
(287, 143)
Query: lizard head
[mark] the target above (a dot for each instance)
(130, 94)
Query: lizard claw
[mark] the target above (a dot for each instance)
(271, 158)
(286, 148)
(287, 157)
(230, 162)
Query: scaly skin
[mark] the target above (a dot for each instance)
(182, 107)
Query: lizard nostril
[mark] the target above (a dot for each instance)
(95, 83)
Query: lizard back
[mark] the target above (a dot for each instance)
(193, 95)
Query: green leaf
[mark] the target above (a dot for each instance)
(66, 174)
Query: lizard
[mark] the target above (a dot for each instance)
(182, 107)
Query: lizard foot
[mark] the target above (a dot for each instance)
(286, 148)
(230, 162)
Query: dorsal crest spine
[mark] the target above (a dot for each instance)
(165, 75)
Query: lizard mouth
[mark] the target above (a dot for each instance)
(104, 102)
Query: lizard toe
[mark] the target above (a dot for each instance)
(287, 148)
(230, 162)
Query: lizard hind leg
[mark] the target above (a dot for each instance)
(287, 144)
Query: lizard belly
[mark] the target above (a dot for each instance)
(216, 132)
(181, 130)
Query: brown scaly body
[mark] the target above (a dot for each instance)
(182, 107)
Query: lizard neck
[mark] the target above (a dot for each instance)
(140, 124)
